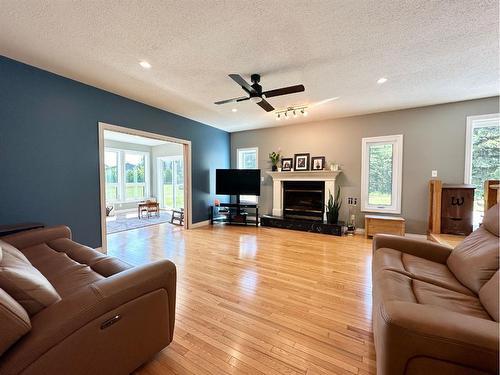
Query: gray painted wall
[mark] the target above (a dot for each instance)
(434, 138)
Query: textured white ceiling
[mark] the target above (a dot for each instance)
(430, 51)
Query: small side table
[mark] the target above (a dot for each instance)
(377, 224)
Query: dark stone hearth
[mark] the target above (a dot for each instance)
(303, 225)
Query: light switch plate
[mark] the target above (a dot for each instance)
(434, 173)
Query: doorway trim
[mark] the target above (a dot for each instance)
(188, 217)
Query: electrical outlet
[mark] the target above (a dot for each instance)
(352, 201)
(434, 173)
(262, 179)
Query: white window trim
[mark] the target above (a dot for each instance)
(397, 173)
(248, 198)
(472, 123)
(121, 175)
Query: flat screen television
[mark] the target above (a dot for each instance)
(237, 181)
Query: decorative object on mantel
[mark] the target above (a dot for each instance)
(286, 164)
(291, 112)
(301, 162)
(334, 166)
(317, 163)
(275, 159)
(333, 207)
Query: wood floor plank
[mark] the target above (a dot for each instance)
(261, 300)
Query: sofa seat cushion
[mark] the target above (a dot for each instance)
(65, 274)
(100, 263)
(395, 286)
(24, 282)
(14, 321)
(417, 268)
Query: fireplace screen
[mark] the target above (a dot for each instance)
(304, 200)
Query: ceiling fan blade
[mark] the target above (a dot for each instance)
(244, 84)
(233, 100)
(265, 106)
(284, 91)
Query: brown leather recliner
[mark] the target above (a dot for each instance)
(436, 310)
(103, 316)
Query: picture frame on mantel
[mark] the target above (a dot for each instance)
(301, 162)
(317, 163)
(286, 164)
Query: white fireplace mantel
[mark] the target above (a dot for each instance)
(278, 177)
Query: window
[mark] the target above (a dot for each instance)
(248, 159)
(127, 175)
(135, 175)
(482, 156)
(111, 163)
(381, 174)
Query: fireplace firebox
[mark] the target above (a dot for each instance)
(304, 200)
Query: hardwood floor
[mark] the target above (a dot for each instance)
(261, 300)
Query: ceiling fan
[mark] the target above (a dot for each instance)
(255, 93)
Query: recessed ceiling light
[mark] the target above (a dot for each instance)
(234, 110)
(145, 64)
(382, 80)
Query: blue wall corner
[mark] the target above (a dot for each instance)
(49, 162)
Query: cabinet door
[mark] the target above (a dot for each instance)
(457, 210)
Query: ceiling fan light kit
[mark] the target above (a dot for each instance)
(255, 93)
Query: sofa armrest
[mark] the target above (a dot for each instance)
(421, 248)
(57, 322)
(138, 281)
(33, 237)
(409, 330)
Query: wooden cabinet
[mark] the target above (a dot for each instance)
(457, 206)
(376, 224)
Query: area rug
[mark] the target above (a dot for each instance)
(127, 221)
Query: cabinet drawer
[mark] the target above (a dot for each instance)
(384, 226)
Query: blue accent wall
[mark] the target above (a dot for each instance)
(49, 160)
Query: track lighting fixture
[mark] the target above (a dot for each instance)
(294, 111)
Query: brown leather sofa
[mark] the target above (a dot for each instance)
(95, 315)
(436, 310)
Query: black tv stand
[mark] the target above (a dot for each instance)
(234, 213)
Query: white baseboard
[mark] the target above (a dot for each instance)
(200, 224)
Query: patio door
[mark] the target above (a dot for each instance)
(171, 181)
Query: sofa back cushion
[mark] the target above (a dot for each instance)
(488, 295)
(14, 321)
(23, 282)
(475, 260)
(490, 220)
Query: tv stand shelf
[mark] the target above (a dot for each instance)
(235, 213)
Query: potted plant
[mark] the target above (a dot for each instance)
(333, 207)
(275, 159)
